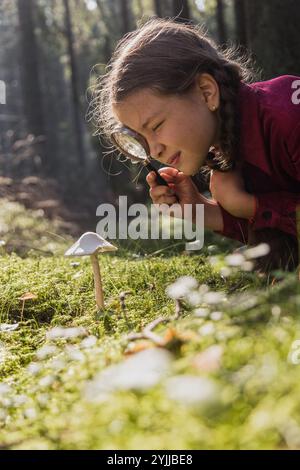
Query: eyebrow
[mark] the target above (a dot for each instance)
(146, 123)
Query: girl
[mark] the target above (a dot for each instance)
(195, 107)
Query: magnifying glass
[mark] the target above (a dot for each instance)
(136, 148)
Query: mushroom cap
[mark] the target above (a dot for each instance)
(88, 244)
(27, 296)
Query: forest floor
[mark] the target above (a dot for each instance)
(218, 367)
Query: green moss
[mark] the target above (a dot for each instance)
(257, 405)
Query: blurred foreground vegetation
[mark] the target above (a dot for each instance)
(219, 370)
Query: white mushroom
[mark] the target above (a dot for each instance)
(91, 244)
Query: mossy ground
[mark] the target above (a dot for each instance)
(46, 407)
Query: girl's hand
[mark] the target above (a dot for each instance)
(182, 190)
(228, 190)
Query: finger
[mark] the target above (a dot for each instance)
(151, 179)
(167, 177)
(166, 200)
(169, 170)
(158, 191)
(175, 177)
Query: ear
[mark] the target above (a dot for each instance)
(210, 90)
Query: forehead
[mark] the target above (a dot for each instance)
(134, 110)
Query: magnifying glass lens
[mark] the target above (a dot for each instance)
(130, 145)
(136, 148)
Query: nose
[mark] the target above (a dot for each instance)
(156, 150)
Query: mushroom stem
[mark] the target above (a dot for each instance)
(97, 280)
(22, 311)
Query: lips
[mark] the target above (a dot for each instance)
(174, 159)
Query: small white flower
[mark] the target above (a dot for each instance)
(30, 413)
(203, 289)
(207, 329)
(8, 327)
(19, 400)
(77, 275)
(43, 399)
(291, 432)
(3, 353)
(194, 298)
(88, 342)
(236, 259)
(46, 381)
(212, 298)
(181, 287)
(192, 390)
(4, 389)
(57, 364)
(34, 368)
(46, 351)
(75, 354)
(256, 252)
(247, 266)
(3, 415)
(216, 316)
(276, 311)
(201, 312)
(7, 402)
(140, 372)
(214, 260)
(225, 271)
(66, 333)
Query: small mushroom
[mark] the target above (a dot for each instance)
(91, 244)
(24, 297)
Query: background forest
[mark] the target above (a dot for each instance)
(51, 51)
(192, 349)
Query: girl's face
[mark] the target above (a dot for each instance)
(179, 129)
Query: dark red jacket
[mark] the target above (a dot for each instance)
(270, 155)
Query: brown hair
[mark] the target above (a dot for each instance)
(166, 57)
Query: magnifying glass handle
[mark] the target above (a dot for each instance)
(159, 178)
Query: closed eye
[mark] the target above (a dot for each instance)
(156, 127)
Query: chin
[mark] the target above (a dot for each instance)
(191, 171)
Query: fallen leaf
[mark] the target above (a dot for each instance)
(136, 347)
(209, 360)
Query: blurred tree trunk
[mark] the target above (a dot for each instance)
(181, 10)
(157, 8)
(125, 16)
(141, 8)
(107, 49)
(222, 34)
(274, 36)
(30, 73)
(241, 27)
(75, 86)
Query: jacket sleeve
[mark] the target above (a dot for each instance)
(234, 227)
(279, 209)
